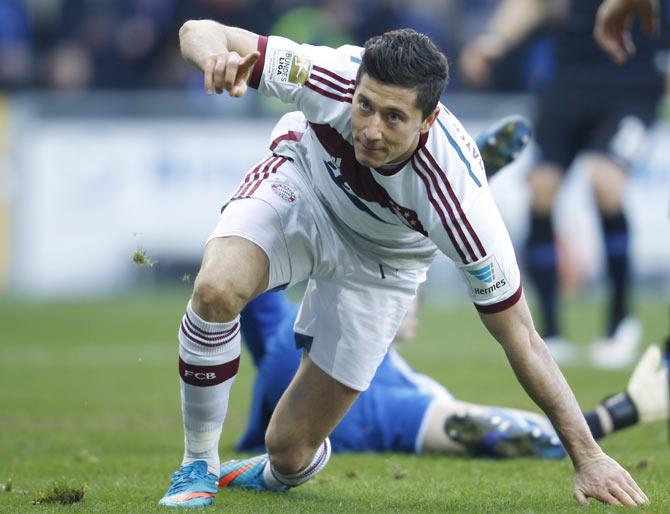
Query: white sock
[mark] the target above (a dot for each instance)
(209, 356)
(275, 480)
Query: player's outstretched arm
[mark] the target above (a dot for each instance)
(511, 22)
(596, 475)
(613, 24)
(225, 55)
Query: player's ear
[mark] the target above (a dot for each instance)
(428, 122)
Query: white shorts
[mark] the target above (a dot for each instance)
(352, 306)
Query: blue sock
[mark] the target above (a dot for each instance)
(541, 263)
(615, 231)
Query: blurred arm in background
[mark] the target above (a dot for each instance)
(613, 25)
(511, 23)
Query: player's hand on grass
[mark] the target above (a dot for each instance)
(613, 25)
(602, 478)
(228, 71)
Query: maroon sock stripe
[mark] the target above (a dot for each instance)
(209, 342)
(203, 332)
(306, 474)
(455, 220)
(445, 224)
(207, 376)
(454, 198)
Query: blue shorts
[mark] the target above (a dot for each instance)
(387, 417)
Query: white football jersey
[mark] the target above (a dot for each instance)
(401, 215)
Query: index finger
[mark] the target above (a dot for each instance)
(636, 492)
(249, 61)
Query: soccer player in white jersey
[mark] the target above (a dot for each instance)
(358, 201)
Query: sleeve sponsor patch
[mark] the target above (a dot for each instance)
(287, 67)
(486, 279)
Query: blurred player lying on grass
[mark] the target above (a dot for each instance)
(406, 411)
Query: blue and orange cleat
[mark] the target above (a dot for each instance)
(501, 144)
(192, 486)
(246, 474)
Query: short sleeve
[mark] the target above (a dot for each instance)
(493, 279)
(319, 80)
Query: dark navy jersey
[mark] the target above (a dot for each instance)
(579, 59)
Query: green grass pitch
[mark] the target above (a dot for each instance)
(89, 394)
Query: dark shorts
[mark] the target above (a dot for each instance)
(607, 120)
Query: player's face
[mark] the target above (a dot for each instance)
(385, 122)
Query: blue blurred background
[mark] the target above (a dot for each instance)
(108, 143)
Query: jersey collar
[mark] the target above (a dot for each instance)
(392, 169)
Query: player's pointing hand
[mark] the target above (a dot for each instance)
(229, 71)
(614, 21)
(605, 480)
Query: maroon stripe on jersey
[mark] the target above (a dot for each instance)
(250, 174)
(207, 376)
(436, 205)
(332, 85)
(266, 175)
(445, 204)
(500, 306)
(291, 135)
(333, 75)
(256, 175)
(328, 94)
(450, 190)
(206, 341)
(359, 178)
(257, 71)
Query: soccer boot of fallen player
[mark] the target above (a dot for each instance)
(501, 144)
(496, 432)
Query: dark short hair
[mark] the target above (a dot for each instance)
(408, 59)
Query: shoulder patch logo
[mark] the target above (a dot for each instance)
(486, 279)
(287, 67)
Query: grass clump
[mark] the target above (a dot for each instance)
(62, 493)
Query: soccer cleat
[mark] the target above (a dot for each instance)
(502, 143)
(648, 386)
(246, 474)
(618, 351)
(502, 433)
(192, 486)
(563, 351)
